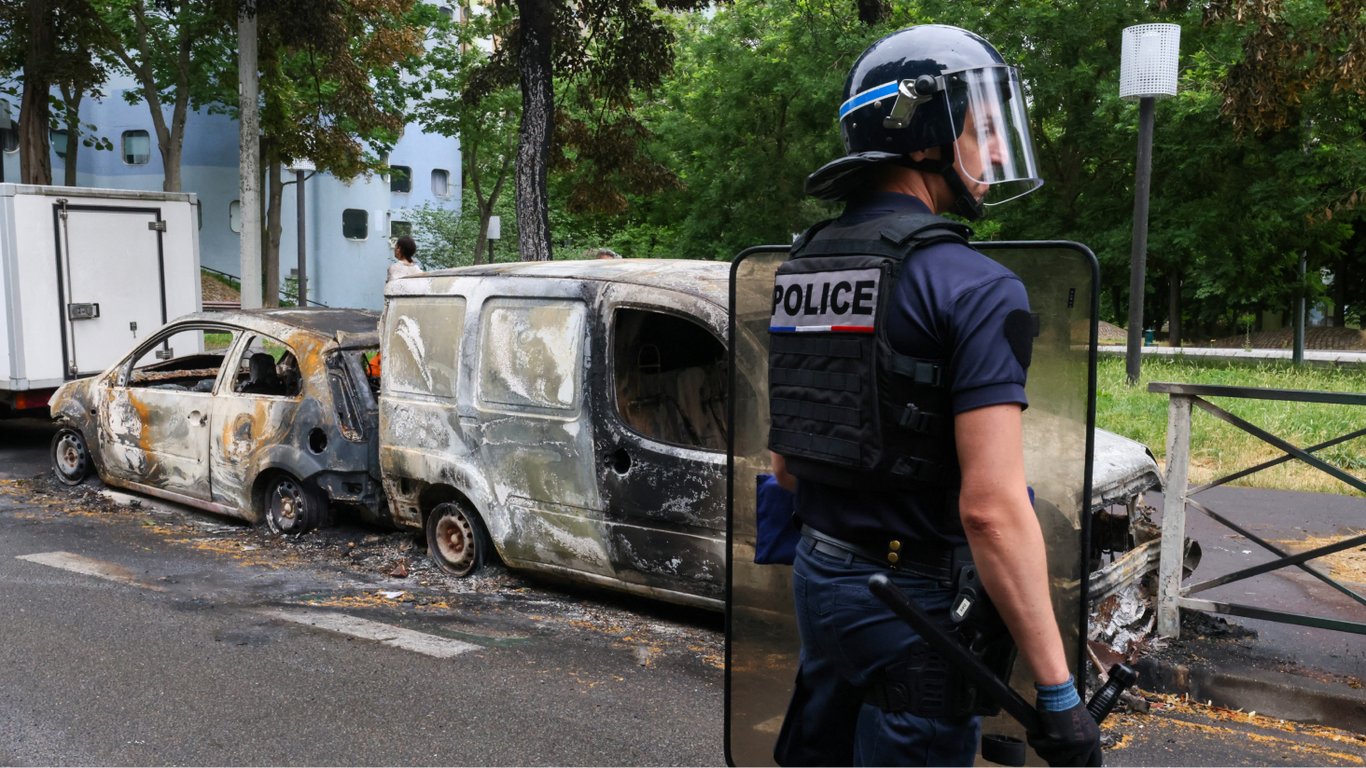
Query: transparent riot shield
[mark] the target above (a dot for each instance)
(761, 634)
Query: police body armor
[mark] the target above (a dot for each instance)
(846, 408)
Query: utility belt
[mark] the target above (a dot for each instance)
(912, 557)
(924, 682)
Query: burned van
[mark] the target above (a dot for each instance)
(565, 417)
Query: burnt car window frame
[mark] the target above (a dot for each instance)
(121, 375)
(243, 345)
(611, 317)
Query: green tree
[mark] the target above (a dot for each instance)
(466, 95)
(747, 113)
(51, 43)
(608, 50)
(180, 53)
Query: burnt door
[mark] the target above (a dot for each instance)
(154, 413)
(534, 444)
(661, 442)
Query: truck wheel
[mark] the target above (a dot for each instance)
(456, 539)
(70, 456)
(292, 506)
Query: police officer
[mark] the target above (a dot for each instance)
(897, 371)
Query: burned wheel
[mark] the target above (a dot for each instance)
(70, 456)
(456, 539)
(292, 506)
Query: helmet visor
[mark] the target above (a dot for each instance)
(994, 149)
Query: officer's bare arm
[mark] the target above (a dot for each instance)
(780, 473)
(1003, 532)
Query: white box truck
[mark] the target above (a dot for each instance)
(84, 274)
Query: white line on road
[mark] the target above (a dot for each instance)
(407, 639)
(340, 623)
(67, 561)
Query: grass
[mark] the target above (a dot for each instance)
(1219, 449)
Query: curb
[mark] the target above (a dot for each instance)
(1274, 694)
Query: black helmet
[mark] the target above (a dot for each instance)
(922, 88)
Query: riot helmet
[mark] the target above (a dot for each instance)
(934, 86)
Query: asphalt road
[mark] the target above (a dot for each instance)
(142, 633)
(166, 645)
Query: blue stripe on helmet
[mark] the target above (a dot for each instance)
(872, 94)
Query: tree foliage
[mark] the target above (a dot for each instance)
(52, 43)
(179, 52)
(462, 95)
(1243, 182)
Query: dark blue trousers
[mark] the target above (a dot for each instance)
(848, 636)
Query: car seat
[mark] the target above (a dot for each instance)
(261, 376)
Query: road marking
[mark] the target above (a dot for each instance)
(67, 561)
(340, 623)
(397, 637)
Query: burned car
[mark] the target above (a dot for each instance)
(566, 417)
(265, 415)
(569, 418)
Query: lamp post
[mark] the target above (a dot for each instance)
(495, 232)
(300, 167)
(1147, 72)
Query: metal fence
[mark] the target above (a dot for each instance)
(1172, 595)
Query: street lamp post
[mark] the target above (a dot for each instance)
(495, 232)
(300, 167)
(1147, 72)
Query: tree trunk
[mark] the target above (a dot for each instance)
(72, 98)
(270, 247)
(1174, 309)
(533, 145)
(35, 162)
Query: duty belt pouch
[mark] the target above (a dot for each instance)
(980, 628)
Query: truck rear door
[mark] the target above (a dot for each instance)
(111, 281)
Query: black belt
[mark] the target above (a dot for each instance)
(936, 563)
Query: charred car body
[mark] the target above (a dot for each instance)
(263, 415)
(569, 417)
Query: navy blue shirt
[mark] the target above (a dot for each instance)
(950, 303)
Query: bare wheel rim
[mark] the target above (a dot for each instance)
(455, 541)
(286, 505)
(70, 454)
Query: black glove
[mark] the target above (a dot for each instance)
(1071, 738)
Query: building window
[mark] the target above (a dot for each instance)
(137, 147)
(448, 12)
(400, 178)
(355, 224)
(58, 139)
(235, 216)
(441, 182)
(400, 229)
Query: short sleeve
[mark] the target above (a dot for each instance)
(992, 334)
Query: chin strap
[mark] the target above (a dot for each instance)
(965, 204)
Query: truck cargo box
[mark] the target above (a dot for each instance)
(84, 273)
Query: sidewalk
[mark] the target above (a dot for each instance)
(1320, 356)
(1276, 669)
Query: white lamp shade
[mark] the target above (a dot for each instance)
(1148, 59)
(495, 227)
